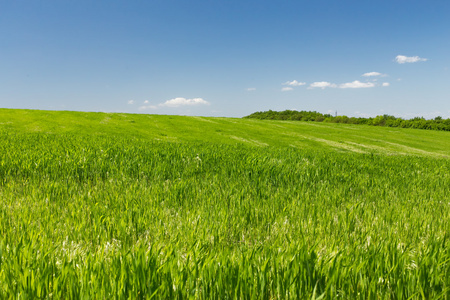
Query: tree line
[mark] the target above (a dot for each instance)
(437, 123)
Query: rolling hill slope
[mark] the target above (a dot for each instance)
(122, 206)
(260, 133)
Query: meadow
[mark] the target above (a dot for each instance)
(118, 206)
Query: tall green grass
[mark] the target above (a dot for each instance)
(113, 217)
(129, 218)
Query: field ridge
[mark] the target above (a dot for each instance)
(306, 135)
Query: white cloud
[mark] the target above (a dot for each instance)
(401, 59)
(294, 83)
(130, 102)
(356, 85)
(370, 74)
(177, 102)
(322, 85)
(286, 89)
(250, 89)
(386, 84)
(147, 107)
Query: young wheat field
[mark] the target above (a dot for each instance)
(117, 206)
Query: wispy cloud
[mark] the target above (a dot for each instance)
(176, 102)
(348, 85)
(130, 102)
(401, 59)
(356, 85)
(250, 89)
(286, 89)
(147, 107)
(294, 83)
(372, 74)
(322, 85)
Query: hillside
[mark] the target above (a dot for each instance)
(261, 133)
(122, 206)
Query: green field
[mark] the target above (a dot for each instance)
(116, 206)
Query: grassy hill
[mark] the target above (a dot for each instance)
(118, 206)
(261, 133)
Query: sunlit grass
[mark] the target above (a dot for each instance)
(88, 215)
(261, 133)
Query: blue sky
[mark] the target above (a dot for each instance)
(227, 58)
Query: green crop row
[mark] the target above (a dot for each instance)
(108, 217)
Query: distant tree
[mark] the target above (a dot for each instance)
(438, 123)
